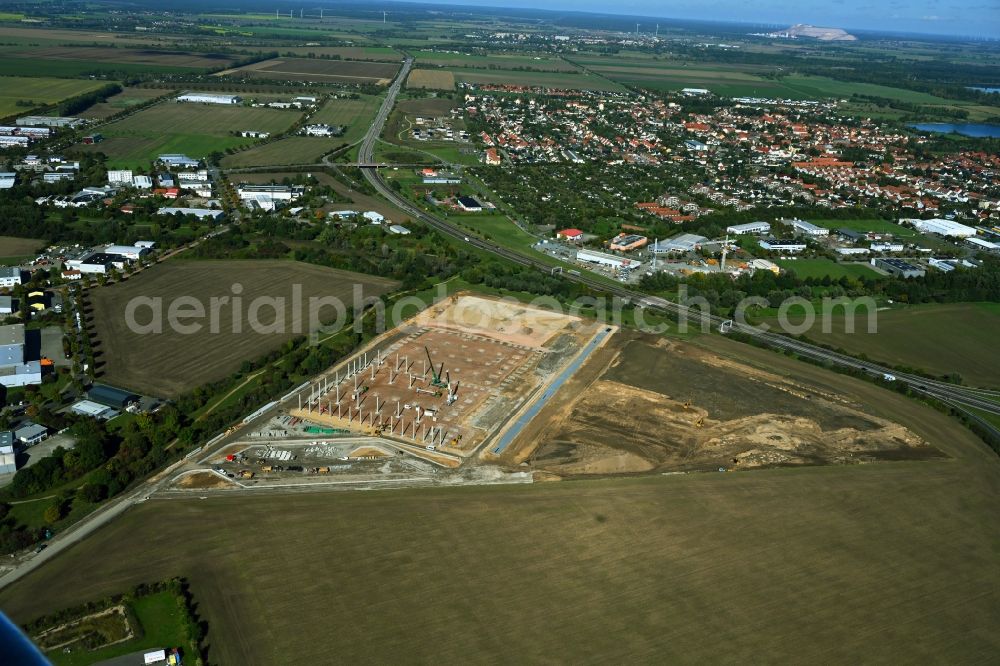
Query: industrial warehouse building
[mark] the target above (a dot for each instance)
(111, 397)
(807, 228)
(942, 227)
(604, 259)
(627, 242)
(93, 409)
(678, 244)
(749, 228)
(14, 370)
(898, 267)
(10, 276)
(200, 213)
(8, 454)
(782, 245)
(208, 98)
(50, 121)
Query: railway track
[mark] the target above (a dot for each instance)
(960, 397)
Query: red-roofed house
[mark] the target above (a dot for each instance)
(572, 235)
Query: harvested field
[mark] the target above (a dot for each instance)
(677, 407)
(435, 79)
(316, 70)
(104, 54)
(486, 358)
(838, 564)
(558, 80)
(169, 363)
(12, 246)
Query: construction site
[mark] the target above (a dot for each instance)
(646, 404)
(450, 378)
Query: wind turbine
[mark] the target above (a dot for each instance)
(383, 16)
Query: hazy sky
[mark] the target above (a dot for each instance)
(978, 18)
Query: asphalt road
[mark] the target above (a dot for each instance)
(960, 397)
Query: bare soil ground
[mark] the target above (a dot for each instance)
(169, 362)
(493, 353)
(889, 563)
(431, 78)
(12, 246)
(319, 71)
(206, 480)
(670, 406)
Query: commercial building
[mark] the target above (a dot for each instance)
(469, 204)
(30, 433)
(322, 130)
(268, 197)
(765, 265)
(628, 242)
(898, 267)
(942, 227)
(604, 259)
(782, 245)
(572, 235)
(10, 276)
(8, 454)
(983, 245)
(208, 98)
(7, 180)
(200, 213)
(807, 228)
(397, 229)
(6, 305)
(130, 252)
(93, 409)
(111, 397)
(749, 228)
(95, 263)
(50, 121)
(887, 247)
(120, 177)
(178, 160)
(681, 244)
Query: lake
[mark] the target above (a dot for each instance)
(966, 129)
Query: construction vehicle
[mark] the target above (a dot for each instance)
(435, 374)
(267, 468)
(246, 474)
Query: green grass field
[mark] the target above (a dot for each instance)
(290, 150)
(876, 225)
(39, 90)
(936, 338)
(817, 268)
(193, 129)
(353, 114)
(162, 621)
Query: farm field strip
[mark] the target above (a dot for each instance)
(168, 363)
(39, 91)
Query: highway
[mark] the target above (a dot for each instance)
(960, 397)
